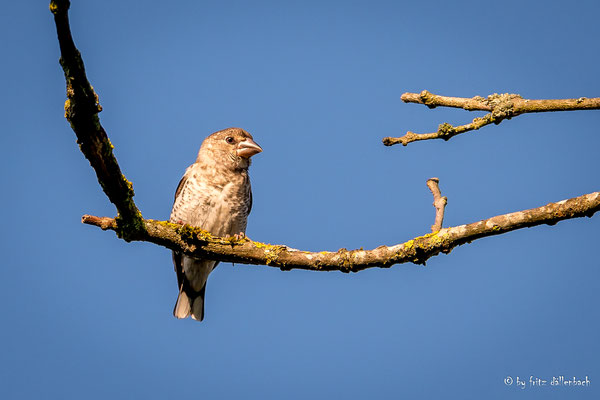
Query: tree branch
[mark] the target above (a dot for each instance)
(439, 203)
(500, 107)
(201, 244)
(81, 110)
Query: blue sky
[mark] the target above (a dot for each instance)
(318, 84)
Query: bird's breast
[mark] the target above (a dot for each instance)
(217, 204)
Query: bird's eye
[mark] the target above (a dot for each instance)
(229, 140)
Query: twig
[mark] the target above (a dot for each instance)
(500, 107)
(81, 110)
(201, 244)
(439, 203)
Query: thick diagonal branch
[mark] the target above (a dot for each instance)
(500, 107)
(201, 244)
(81, 110)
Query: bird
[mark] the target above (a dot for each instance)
(214, 195)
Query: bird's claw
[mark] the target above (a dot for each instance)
(237, 237)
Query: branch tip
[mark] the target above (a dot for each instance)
(57, 6)
(439, 203)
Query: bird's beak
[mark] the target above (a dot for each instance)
(248, 148)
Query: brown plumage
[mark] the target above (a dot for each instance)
(215, 195)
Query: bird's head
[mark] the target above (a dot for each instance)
(230, 147)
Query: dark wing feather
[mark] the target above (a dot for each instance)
(177, 261)
(180, 187)
(250, 202)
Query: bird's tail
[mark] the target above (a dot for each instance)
(190, 304)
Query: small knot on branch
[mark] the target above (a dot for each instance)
(446, 131)
(345, 260)
(503, 106)
(389, 141)
(427, 98)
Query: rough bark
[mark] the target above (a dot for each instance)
(196, 242)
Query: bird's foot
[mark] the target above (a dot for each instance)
(240, 236)
(237, 237)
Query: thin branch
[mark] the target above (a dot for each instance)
(439, 203)
(500, 107)
(81, 110)
(520, 105)
(201, 244)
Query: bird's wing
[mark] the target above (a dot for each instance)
(194, 203)
(180, 187)
(193, 200)
(249, 201)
